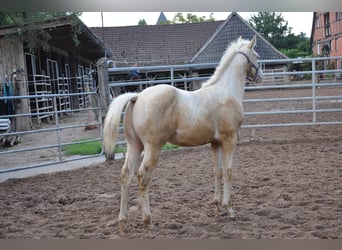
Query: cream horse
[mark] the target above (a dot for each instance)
(159, 114)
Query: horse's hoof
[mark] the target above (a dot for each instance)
(147, 220)
(122, 227)
(231, 213)
(218, 206)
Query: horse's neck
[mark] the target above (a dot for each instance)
(233, 80)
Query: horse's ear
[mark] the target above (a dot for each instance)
(252, 43)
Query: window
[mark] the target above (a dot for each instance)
(327, 24)
(317, 22)
(318, 49)
(338, 15)
(326, 49)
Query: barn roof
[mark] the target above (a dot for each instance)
(231, 29)
(202, 42)
(91, 47)
(156, 44)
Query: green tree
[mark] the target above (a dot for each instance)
(29, 26)
(190, 18)
(275, 29)
(271, 26)
(142, 22)
(296, 46)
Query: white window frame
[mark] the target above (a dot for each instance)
(318, 49)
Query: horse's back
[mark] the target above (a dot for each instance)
(164, 113)
(157, 98)
(155, 113)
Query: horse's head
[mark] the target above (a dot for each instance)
(254, 73)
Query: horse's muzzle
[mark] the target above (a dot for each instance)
(259, 76)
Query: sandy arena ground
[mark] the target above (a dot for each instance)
(286, 184)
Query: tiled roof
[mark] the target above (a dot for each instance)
(234, 27)
(156, 44)
(180, 43)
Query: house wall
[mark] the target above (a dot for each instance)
(333, 39)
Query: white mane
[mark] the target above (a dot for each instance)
(225, 60)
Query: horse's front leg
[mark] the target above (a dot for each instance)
(151, 156)
(217, 161)
(228, 148)
(127, 174)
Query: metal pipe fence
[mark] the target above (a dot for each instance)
(305, 109)
(311, 107)
(312, 84)
(52, 130)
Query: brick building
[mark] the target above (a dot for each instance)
(326, 36)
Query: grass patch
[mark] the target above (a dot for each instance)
(120, 149)
(83, 148)
(169, 146)
(95, 147)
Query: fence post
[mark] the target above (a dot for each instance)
(58, 132)
(313, 66)
(172, 76)
(102, 72)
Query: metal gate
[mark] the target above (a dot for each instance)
(56, 132)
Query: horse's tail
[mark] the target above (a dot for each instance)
(112, 120)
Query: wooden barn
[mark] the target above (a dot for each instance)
(62, 68)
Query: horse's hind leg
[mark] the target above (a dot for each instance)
(151, 156)
(127, 174)
(217, 160)
(228, 148)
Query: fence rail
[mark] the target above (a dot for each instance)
(276, 79)
(308, 106)
(53, 133)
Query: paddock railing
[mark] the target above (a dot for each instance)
(320, 101)
(312, 98)
(56, 130)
